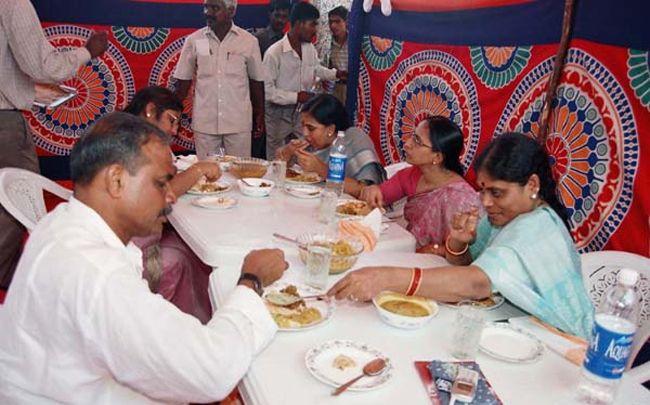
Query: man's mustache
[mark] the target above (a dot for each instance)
(166, 211)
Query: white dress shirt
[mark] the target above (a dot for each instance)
(27, 56)
(287, 74)
(222, 103)
(80, 325)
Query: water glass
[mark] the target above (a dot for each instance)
(279, 172)
(318, 265)
(327, 208)
(467, 330)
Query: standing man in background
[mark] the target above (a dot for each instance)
(278, 19)
(27, 58)
(292, 65)
(229, 87)
(338, 23)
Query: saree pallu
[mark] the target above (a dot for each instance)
(429, 214)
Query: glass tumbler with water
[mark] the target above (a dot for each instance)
(279, 171)
(327, 208)
(318, 265)
(467, 330)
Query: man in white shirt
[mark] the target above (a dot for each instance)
(292, 66)
(229, 77)
(80, 325)
(27, 58)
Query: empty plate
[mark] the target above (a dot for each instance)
(507, 343)
(215, 203)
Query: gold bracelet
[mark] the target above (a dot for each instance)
(454, 253)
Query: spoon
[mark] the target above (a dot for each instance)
(284, 300)
(373, 368)
(288, 239)
(247, 183)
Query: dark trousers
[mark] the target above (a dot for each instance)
(16, 150)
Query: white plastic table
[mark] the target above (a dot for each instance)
(278, 376)
(223, 237)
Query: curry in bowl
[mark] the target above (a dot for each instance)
(404, 311)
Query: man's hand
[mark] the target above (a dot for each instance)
(267, 264)
(304, 96)
(97, 43)
(258, 126)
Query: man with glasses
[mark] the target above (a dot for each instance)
(229, 87)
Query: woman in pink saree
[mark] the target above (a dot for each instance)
(170, 267)
(434, 185)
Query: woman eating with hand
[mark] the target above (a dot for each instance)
(522, 248)
(170, 267)
(434, 185)
(322, 117)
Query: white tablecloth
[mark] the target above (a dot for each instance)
(222, 238)
(279, 377)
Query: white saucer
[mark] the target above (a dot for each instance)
(215, 203)
(508, 343)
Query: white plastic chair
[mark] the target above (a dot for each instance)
(599, 271)
(395, 167)
(21, 194)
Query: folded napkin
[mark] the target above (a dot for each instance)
(184, 162)
(438, 377)
(367, 229)
(568, 346)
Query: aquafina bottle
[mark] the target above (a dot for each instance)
(336, 168)
(611, 341)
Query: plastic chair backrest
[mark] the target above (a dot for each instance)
(21, 194)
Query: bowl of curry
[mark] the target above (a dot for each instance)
(404, 312)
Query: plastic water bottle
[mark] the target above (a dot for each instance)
(336, 168)
(611, 341)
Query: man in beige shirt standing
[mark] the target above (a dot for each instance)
(229, 87)
(27, 58)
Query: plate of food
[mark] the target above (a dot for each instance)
(297, 177)
(352, 209)
(215, 203)
(292, 313)
(303, 191)
(492, 302)
(338, 361)
(204, 187)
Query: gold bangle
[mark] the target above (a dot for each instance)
(454, 253)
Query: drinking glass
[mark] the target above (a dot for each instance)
(318, 265)
(279, 171)
(467, 330)
(327, 208)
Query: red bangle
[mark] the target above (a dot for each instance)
(416, 279)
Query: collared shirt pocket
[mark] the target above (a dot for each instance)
(206, 65)
(235, 65)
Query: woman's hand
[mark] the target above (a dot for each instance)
(361, 285)
(463, 228)
(287, 151)
(373, 196)
(310, 163)
(210, 170)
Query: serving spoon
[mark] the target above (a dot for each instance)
(372, 368)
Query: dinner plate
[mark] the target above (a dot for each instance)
(303, 191)
(195, 191)
(508, 343)
(498, 301)
(319, 361)
(348, 216)
(294, 181)
(325, 306)
(215, 203)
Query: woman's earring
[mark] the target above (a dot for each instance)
(533, 196)
(148, 115)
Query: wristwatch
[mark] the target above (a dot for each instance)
(257, 284)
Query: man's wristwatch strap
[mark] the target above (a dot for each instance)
(257, 283)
